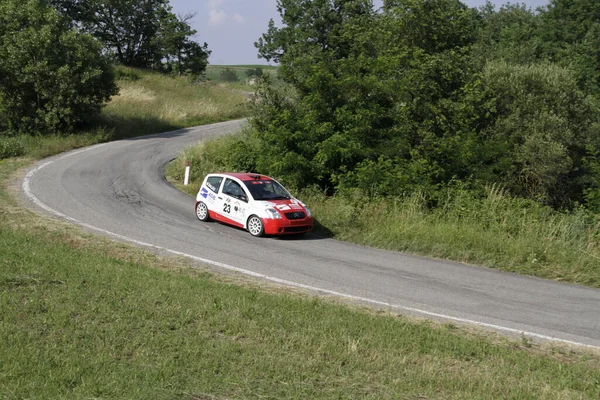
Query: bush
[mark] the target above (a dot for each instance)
(11, 147)
(228, 75)
(255, 72)
(127, 74)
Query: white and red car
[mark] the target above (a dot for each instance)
(254, 202)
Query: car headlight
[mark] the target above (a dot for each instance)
(308, 213)
(273, 213)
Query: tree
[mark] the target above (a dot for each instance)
(538, 131)
(368, 88)
(143, 34)
(570, 31)
(52, 78)
(510, 34)
(181, 53)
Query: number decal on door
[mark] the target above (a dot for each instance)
(227, 208)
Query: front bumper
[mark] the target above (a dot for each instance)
(287, 227)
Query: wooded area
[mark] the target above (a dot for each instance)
(428, 94)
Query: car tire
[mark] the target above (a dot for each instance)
(202, 212)
(255, 226)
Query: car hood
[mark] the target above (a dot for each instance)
(283, 205)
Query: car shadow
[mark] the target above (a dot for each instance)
(319, 232)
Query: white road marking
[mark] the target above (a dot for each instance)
(32, 197)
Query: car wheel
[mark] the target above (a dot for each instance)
(202, 212)
(255, 226)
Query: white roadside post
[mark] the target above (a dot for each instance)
(186, 179)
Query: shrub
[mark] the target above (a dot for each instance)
(127, 74)
(67, 81)
(11, 147)
(228, 75)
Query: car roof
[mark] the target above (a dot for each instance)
(245, 176)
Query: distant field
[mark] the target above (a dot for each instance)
(237, 74)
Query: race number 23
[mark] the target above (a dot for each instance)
(227, 208)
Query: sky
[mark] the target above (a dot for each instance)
(230, 27)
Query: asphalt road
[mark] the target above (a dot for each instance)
(119, 189)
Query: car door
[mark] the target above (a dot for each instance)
(209, 192)
(234, 202)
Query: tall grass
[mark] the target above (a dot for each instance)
(493, 230)
(496, 231)
(169, 102)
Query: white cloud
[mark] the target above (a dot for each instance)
(238, 18)
(215, 17)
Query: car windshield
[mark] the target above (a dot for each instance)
(266, 190)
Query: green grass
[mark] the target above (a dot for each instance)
(170, 102)
(495, 231)
(84, 317)
(80, 322)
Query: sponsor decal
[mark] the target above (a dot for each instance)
(211, 186)
(283, 207)
(204, 192)
(238, 209)
(211, 197)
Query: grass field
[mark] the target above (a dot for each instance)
(214, 73)
(82, 317)
(157, 102)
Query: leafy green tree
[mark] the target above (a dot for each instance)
(537, 131)
(510, 34)
(181, 54)
(370, 88)
(570, 31)
(193, 58)
(141, 34)
(52, 77)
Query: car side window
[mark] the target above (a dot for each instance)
(214, 183)
(233, 189)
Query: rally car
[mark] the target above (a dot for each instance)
(255, 202)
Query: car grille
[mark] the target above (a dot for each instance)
(295, 215)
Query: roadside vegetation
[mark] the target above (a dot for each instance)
(436, 129)
(85, 317)
(488, 228)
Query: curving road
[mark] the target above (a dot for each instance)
(119, 189)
